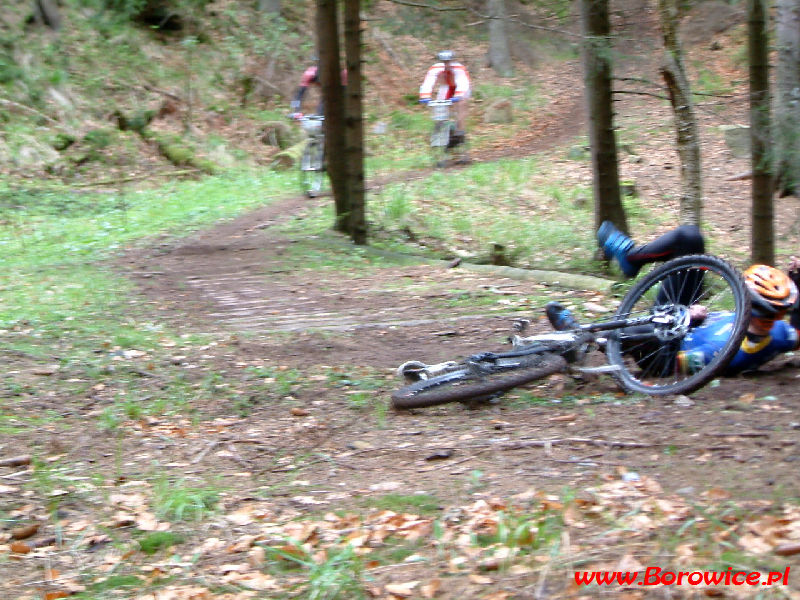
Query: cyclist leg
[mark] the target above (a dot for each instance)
(685, 239)
(681, 241)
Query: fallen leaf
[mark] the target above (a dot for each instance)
(46, 371)
(404, 590)
(628, 563)
(440, 454)
(562, 418)
(788, 549)
(430, 589)
(300, 412)
(385, 486)
(480, 579)
(21, 533)
(754, 544)
(717, 494)
(20, 548)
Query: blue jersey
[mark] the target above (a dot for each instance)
(702, 343)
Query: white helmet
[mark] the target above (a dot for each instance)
(445, 55)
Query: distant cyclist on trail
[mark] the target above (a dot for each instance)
(773, 295)
(453, 83)
(309, 78)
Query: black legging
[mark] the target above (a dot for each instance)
(683, 240)
(658, 357)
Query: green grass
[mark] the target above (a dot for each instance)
(422, 504)
(157, 541)
(335, 576)
(179, 501)
(441, 216)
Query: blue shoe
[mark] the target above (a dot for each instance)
(616, 245)
(560, 317)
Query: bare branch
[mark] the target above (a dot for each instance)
(429, 7)
(659, 96)
(33, 111)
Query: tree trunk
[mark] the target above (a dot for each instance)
(499, 54)
(357, 224)
(46, 12)
(762, 245)
(680, 95)
(787, 97)
(597, 79)
(269, 6)
(333, 98)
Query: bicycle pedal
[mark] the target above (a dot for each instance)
(521, 325)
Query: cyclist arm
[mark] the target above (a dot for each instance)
(794, 275)
(462, 81)
(426, 89)
(309, 77)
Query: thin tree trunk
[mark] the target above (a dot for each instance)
(762, 245)
(333, 98)
(357, 224)
(47, 13)
(499, 54)
(787, 97)
(597, 76)
(269, 6)
(688, 137)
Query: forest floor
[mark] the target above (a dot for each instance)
(629, 482)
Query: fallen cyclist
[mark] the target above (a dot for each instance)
(773, 295)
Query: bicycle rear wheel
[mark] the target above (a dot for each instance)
(648, 355)
(465, 384)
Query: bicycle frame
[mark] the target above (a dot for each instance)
(669, 322)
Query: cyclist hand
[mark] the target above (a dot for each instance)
(794, 270)
(697, 313)
(296, 116)
(424, 100)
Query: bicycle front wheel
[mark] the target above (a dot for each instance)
(465, 383)
(650, 357)
(312, 169)
(440, 143)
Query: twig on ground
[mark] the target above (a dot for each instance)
(17, 474)
(16, 461)
(209, 447)
(11, 103)
(745, 434)
(574, 440)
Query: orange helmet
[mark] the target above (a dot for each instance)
(771, 291)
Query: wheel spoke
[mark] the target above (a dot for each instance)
(650, 356)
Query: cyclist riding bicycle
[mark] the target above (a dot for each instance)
(773, 295)
(309, 78)
(453, 83)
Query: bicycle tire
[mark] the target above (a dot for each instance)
(440, 142)
(312, 168)
(693, 279)
(463, 384)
